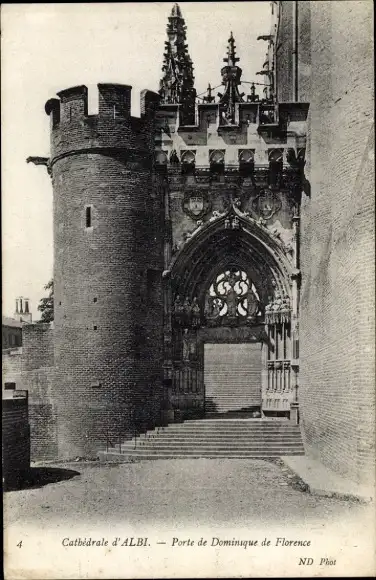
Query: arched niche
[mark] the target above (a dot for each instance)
(229, 241)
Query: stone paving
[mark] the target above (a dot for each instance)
(175, 503)
(214, 492)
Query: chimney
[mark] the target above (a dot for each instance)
(22, 312)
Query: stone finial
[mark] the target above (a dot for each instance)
(177, 83)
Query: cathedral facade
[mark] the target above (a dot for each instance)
(190, 233)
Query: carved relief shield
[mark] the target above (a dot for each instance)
(196, 204)
(266, 204)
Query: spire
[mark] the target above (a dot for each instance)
(231, 58)
(208, 98)
(177, 83)
(176, 12)
(231, 75)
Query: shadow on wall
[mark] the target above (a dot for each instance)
(211, 408)
(37, 477)
(306, 186)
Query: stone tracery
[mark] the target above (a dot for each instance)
(232, 296)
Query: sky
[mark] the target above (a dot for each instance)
(50, 47)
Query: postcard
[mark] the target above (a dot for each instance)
(188, 290)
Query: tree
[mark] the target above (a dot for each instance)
(46, 305)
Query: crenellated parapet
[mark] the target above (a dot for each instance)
(73, 130)
(273, 121)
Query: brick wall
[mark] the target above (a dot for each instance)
(11, 367)
(37, 378)
(304, 50)
(284, 48)
(15, 440)
(107, 275)
(337, 243)
(295, 22)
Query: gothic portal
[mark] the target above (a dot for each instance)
(176, 240)
(231, 174)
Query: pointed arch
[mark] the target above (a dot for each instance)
(218, 244)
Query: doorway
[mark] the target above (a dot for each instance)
(232, 378)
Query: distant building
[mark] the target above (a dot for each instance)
(12, 333)
(12, 327)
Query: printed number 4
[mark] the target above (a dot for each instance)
(19, 545)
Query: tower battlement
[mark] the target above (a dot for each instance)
(73, 129)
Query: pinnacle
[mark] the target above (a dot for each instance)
(176, 12)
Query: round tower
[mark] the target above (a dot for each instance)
(107, 269)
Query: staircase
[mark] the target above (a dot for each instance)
(232, 377)
(231, 438)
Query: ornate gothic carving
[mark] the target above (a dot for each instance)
(196, 204)
(174, 159)
(266, 204)
(246, 156)
(231, 75)
(188, 157)
(187, 314)
(177, 83)
(232, 223)
(279, 310)
(231, 299)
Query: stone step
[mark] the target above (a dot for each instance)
(233, 422)
(221, 421)
(244, 438)
(116, 456)
(213, 443)
(213, 433)
(221, 432)
(231, 441)
(233, 429)
(235, 395)
(214, 449)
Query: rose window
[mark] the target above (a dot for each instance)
(232, 295)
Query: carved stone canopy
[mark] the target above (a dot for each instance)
(279, 310)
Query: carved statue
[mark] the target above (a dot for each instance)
(288, 248)
(208, 307)
(216, 309)
(174, 159)
(196, 313)
(235, 223)
(232, 303)
(178, 305)
(285, 309)
(286, 302)
(186, 348)
(277, 304)
(187, 313)
(252, 304)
